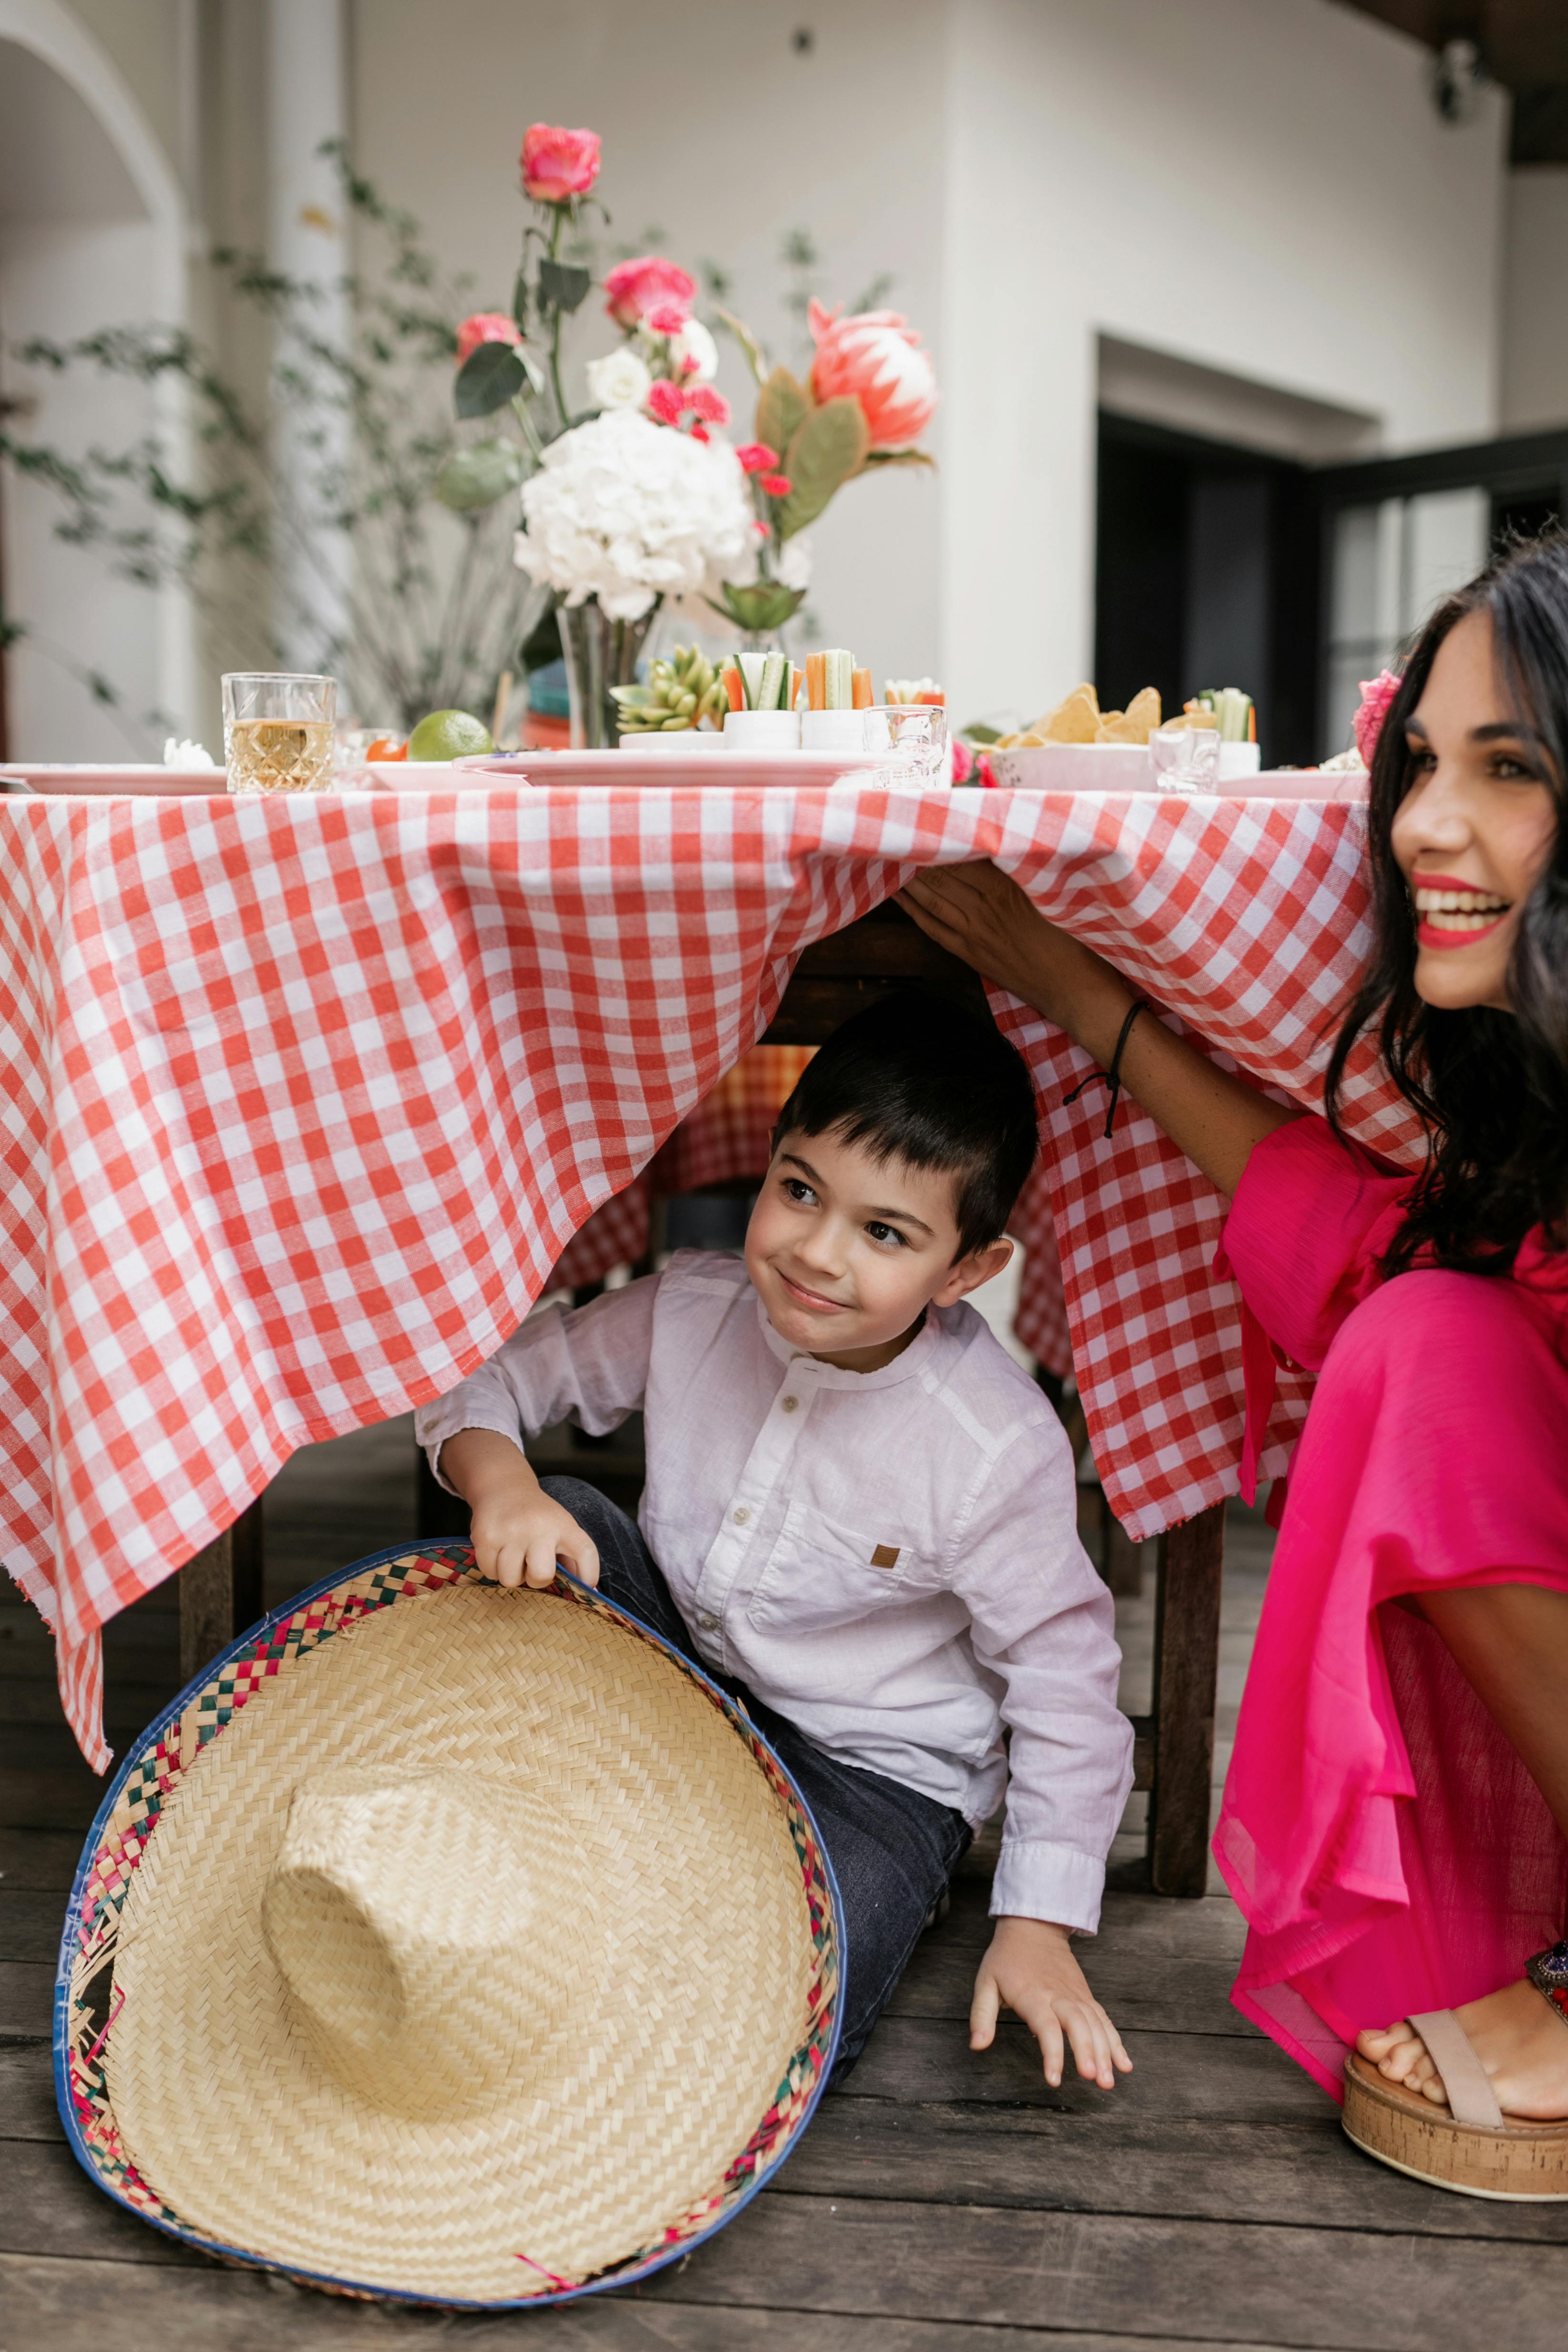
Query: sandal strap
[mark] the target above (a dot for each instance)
(1548, 1973)
(1471, 2099)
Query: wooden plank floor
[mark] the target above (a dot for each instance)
(941, 2202)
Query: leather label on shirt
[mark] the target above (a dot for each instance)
(885, 1556)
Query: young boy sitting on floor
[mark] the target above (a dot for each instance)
(859, 1513)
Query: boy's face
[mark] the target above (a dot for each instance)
(847, 1251)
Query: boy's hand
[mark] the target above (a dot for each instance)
(518, 1533)
(1030, 1969)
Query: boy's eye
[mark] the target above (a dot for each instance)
(795, 1190)
(884, 1233)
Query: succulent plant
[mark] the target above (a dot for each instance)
(679, 693)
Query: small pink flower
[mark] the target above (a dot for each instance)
(710, 405)
(485, 327)
(701, 433)
(757, 457)
(1376, 694)
(637, 287)
(963, 761)
(777, 485)
(762, 529)
(665, 401)
(666, 319)
(876, 359)
(559, 164)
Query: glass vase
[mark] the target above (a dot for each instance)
(600, 653)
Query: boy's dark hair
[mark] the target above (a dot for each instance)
(918, 1078)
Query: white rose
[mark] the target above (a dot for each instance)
(693, 354)
(794, 565)
(620, 380)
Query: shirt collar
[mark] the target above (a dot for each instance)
(914, 1359)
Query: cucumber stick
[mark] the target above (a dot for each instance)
(838, 680)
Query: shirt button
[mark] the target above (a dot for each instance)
(742, 1516)
(708, 1623)
(791, 1404)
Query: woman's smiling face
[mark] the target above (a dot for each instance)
(1476, 826)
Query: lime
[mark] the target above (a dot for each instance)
(449, 735)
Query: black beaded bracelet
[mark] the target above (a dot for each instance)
(1112, 1076)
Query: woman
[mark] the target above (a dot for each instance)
(1395, 1822)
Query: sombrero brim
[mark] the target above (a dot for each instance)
(87, 2004)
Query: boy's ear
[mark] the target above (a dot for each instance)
(966, 1274)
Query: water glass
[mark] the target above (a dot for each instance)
(916, 735)
(278, 730)
(1184, 758)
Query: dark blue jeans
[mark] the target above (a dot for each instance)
(893, 1850)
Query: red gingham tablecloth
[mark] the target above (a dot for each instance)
(303, 1099)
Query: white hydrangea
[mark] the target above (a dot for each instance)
(628, 512)
(620, 380)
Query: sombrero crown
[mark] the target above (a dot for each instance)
(447, 1943)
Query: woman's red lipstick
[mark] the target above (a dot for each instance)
(1431, 931)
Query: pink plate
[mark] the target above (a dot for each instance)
(17, 775)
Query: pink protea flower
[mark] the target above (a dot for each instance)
(636, 287)
(665, 402)
(1376, 694)
(757, 457)
(485, 327)
(876, 359)
(559, 164)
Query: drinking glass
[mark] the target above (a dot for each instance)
(1184, 758)
(916, 736)
(278, 730)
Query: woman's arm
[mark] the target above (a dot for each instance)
(975, 912)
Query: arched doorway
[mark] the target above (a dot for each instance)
(93, 234)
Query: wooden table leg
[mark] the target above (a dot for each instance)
(1186, 1668)
(220, 1592)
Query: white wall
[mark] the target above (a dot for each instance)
(1535, 305)
(1259, 186)
(718, 134)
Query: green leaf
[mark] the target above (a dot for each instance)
(562, 285)
(899, 457)
(520, 301)
(743, 337)
(479, 475)
(782, 406)
(492, 374)
(828, 447)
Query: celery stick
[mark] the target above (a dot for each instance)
(771, 680)
(838, 667)
(751, 668)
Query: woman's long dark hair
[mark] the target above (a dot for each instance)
(1491, 1087)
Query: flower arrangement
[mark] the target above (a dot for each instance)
(623, 510)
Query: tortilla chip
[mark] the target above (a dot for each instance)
(1076, 720)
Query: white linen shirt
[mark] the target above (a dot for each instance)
(890, 1559)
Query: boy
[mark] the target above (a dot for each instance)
(859, 1511)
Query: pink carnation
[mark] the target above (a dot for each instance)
(1376, 694)
(757, 457)
(667, 317)
(485, 327)
(637, 287)
(665, 401)
(876, 359)
(777, 485)
(559, 164)
(704, 402)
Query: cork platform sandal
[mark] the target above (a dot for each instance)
(1470, 2146)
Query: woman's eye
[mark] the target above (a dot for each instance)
(1509, 771)
(885, 1233)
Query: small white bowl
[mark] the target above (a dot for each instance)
(837, 730)
(767, 730)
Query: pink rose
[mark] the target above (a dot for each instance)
(876, 359)
(485, 327)
(636, 287)
(1376, 694)
(559, 164)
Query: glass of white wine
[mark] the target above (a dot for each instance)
(278, 730)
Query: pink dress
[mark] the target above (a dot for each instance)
(1387, 1846)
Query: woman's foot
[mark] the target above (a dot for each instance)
(1519, 2039)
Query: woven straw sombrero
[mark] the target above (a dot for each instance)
(448, 1944)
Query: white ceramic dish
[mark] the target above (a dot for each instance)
(140, 778)
(1124, 768)
(682, 742)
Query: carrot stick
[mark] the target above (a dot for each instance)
(859, 689)
(816, 682)
(734, 686)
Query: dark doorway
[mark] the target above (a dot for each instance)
(1205, 576)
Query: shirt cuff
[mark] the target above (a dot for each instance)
(432, 1430)
(1037, 1880)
